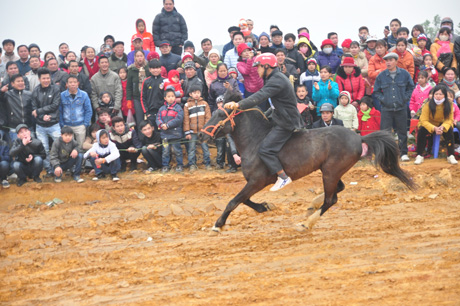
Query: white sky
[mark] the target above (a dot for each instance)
(84, 22)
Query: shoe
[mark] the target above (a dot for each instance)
(219, 166)
(5, 184)
(78, 179)
(405, 158)
(209, 167)
(115, 177)
(180, 168)
(37, 179)
(48, 175)
(57, 179)
(419, 159)
(20, 182)
(12, 176)
(280, 183)
(231, 170)
(451, 160)
(151, 170)
(165, 169)
(99, 177)
(187, 166)
(193, 168)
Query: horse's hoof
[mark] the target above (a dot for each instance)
(300, 227)
(269, 206)
(216, 229)
(311, 221)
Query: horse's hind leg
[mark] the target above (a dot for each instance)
(259, 207)
(319, 200)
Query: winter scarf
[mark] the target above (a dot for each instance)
(92, 71)
(366, 114)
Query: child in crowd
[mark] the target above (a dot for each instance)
(221, 142)
(152, 95)
(422, 41)
(64, 156)
(196, 114)
(310, 76)
(368, 116)
(449, 79)
(169, 120)
(149, 141)
(305, 106)
(147, 37)
(104, 157)
(173, 81)
(90, 136)
(233, 73)
(122, 136)
(125, 107)
(433, 75)
(106, 101)
(210, 74)
(4, 163)
(104, 120)
(326, 90)
(346, 112)
(420, 93)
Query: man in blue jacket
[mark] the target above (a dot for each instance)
(393, 88)
(75, 109)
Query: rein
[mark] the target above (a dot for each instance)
(230, 117)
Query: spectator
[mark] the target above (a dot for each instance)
(147, 38)
(327, 57)
(220, 85)
(449, 79)
(12, 69)
(359, 58)
(346, 44)
(75, 109)
(2, 67)
(168, 59)
(334, 37)
(231, 57)
(250, 24)
(304, 48)
(436, 118)
(152, 97)
(104, 157)
(371, 43)
(309, 77)
(393, 87)
(190, 48)
(104, 120)
(91, 62)
(206, 46)
(28, 155)
(376, 66)
(23, 61)
(138, 46)
(65, 155)
(286, 68)
(171, 26)
(405, 58)
(34, 50)
(103, 81)
(83, 80)
(325, 91)
(32, 75)
(292, 53)
(395, 24)
(210, 73)
(442, 51)
(252, 81)
(351, 81)
(118, 59)
(8, 48)
(137, 73)
(368, 116)
(149, 141)
(90, 137)
(420, 93)
(346, 112)
(123, 74)
(154, 55)
(191, 81)
(417, 30)
(63, 49)
(308, 107)
(449, 23)
(363, 35)
(277, 39)
(327, 117)
(231, 31)
(46, 99)
(122, 136)
(264, 44)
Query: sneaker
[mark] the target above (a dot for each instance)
(5, 184)
(231, 170)
(99, 177)
(151, 170)
(37, 179)
(419, 159)
(20, 182)
(193, 168)
(57, 179)
(451, 160)
(209, 167)
(180, 168)
(165, 169)
(219, 166)
(405, 158)
(280, 183)
(115, 177)
(12, 176)
(78, 179)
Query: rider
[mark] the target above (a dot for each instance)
(286, 117)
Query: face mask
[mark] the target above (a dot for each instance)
(304, 50)
(249, 44)
(327, 50)
(444, 37)
(438, 102)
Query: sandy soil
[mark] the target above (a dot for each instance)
(147, 240)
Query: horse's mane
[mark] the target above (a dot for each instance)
(231, 95)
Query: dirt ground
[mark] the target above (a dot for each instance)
(147, 240)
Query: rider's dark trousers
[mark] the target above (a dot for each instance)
(271, 146)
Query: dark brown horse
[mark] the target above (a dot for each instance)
(333, 150)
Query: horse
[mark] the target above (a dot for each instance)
(333, 150)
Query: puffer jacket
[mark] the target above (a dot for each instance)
(147, 38)
(252, 81)
(371, 125)
(406, 61)
(169, 61)
(20, 152)
(173, 116)
(217, 89)
(362, 63)
(308, 79)
(46, 102)
(376, 65)
(418, 96)
(122, 141)
(152, 95)
(279, 89)
(196, 114)
(170, 26)
(324, 95)
(331, 60)
(18, 106)
(353, 83)
(60, 152)
(348, 115)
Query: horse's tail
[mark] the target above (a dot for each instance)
(386, 151)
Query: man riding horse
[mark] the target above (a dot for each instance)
(286, 117)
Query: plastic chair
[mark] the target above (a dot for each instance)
(437, 140)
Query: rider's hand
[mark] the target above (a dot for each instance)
(231, 105)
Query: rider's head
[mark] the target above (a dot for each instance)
(265, 64)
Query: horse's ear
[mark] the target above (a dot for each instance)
(231, 95)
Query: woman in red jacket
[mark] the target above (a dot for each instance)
(252, 81)
(368, 117)
(349, 79)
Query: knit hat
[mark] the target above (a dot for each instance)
(241, 48)
(304, 34)
(187, 55)
(190, 65)
(232, 70)
(391, 55)
(312, 60)
(327, 42)
(348, 61)
(137, 36)
(347, 94)
(214, 51)
(422, 36)
(153, 55)
(347, 43)
(264, 34)
(189, 44)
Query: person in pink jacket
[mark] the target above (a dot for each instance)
(252, 81)
(420, 93)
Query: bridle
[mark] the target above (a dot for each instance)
(230, 117)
